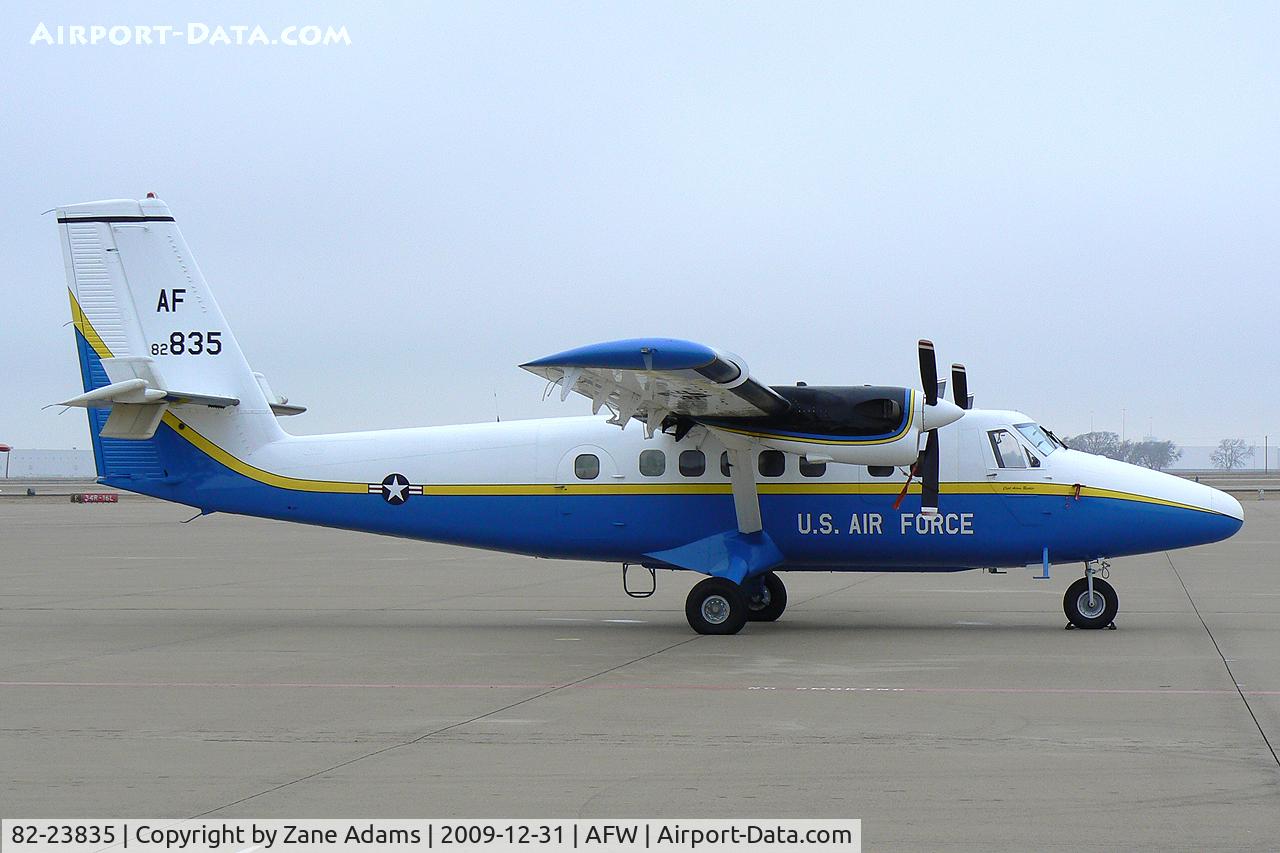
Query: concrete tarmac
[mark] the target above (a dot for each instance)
(248, 668)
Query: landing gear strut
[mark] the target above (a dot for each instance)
(1091, 602)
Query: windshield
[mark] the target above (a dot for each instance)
(1035, 435)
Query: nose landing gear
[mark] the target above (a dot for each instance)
(1091, 602)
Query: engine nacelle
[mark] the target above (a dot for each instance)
(860, 425)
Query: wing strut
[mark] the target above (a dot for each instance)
(746, 500)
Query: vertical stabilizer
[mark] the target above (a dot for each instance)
(143, 310)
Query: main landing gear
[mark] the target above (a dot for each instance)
(1091, 602)
(720, 606)
(767, 601)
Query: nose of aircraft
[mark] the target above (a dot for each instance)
(1169, 512)
(1227, 505)
(1220, 514)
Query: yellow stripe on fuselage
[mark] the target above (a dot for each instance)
(238, 465)
(280, 481)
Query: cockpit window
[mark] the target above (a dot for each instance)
(1039, 438)
(1007, 449)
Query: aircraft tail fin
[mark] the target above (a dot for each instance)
(154, 347)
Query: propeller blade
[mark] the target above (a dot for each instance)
(928, 372)
(960, 386)
(928, 470)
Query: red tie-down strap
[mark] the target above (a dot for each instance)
(1075, 491)
(902, 494)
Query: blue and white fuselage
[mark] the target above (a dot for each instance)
(720, 474)
(513, 487)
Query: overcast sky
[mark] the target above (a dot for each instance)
(1079, 201)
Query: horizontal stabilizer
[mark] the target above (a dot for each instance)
(134, 381)
(130, 391)
(136, 392)
(200, 399)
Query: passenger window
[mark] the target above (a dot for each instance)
(653, 463)
(1008, 451)
(812, 469)
(587, 466)
(692, 463)
(724, 463)
(880, 470)
(772, 463)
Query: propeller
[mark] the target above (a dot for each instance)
(929, 373)
(960, 387)
(937, 413)
(927, 468)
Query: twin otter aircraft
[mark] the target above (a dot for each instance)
(720, 474)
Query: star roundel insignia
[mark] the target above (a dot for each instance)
(395, 489)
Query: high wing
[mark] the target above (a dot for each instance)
(665, 383)
(652, 378)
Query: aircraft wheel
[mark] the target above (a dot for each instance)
(1084, 613)
(716, 606)
(767, 605)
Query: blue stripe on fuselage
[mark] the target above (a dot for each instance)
(813, 530)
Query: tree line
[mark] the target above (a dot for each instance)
(1230, 454)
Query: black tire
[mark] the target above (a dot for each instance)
(768, 604)
(716, 606)
(1078, 609)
